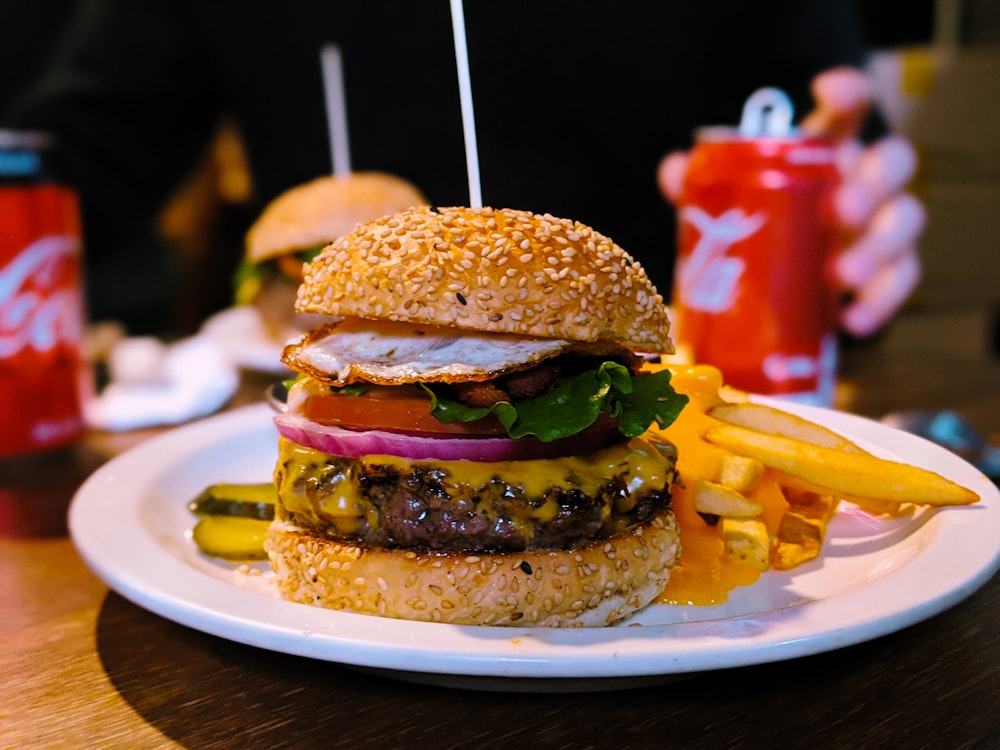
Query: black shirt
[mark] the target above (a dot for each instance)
(575, 102)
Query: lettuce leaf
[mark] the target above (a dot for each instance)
(636, 401)
(250, 276)
(248, 280)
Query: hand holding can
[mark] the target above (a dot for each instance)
(755, 234)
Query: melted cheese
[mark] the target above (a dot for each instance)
(704, 576)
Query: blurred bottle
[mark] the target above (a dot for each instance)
(43, 373)
(755, 231)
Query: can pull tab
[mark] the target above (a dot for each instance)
(767, 112)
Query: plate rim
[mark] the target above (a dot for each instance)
(103, 509)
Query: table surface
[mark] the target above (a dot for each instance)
(82, 666)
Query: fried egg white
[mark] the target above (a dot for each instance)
(396, 353)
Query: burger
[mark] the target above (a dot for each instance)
(467, 441)
(295, 226)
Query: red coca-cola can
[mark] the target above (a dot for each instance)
(755, 233)
(43, 373)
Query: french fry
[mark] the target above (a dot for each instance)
(800, 541)
(734, 395)
(745, 541)
(771, 421)
(858, 475)
(812, 505)
(719, 500)
(797, 471)
(874, 507)
(740, 473)
(802, 530)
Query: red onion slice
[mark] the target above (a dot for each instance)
(338, 441)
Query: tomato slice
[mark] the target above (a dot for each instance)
(381, 411)
(291, 266)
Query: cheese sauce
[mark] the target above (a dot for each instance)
(703, 576)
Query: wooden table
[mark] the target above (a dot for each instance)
(82, 667)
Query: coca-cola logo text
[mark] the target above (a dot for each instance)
(708, 278)
(37, 309)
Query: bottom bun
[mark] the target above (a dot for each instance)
(595, 584)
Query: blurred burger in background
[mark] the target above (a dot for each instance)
(296, 226)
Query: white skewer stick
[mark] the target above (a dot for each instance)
(465, 93)
(336, 109)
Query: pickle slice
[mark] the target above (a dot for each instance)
(240, 500)
(233, 538)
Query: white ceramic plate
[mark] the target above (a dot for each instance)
(130, 523)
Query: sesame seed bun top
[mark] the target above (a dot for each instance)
(493, 270)
(318, 212)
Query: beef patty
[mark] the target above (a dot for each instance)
(424, 505)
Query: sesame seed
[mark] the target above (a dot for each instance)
(386, 258)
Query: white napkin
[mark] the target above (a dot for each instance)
(156, 384)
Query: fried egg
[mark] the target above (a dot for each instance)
(395, 353)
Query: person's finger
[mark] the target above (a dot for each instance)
(881, 171)
(893, 232)
(843, 97)
(879, 300)
(848, 155)
(670, 174)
